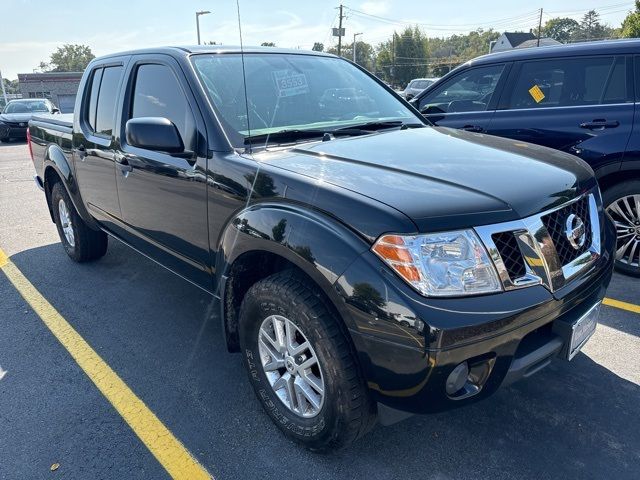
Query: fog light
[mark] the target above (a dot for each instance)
(457, 379)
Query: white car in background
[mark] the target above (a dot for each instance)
(416, 86)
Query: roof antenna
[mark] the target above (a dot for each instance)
(244, 76)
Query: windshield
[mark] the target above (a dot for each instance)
(291, 91)
(26, 107)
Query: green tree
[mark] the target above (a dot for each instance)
(592, 29)
(447, 53)
(69, 58)
(268, 44)
(318, 47)
(365, 53)
(561, 29)
(631, 24)
(11, 86)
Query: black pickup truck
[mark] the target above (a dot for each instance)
(366, 264)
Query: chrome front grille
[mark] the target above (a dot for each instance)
(556, 226)
(507, 245)
(540, 250)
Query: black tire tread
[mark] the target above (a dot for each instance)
(361, 415)
(89, 244)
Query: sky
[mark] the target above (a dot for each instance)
(39, 26)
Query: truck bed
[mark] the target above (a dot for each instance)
(60, 120)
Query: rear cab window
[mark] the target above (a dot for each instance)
(103, 100)
(566, 82)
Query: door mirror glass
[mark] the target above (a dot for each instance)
(154, 133)
(55, 110)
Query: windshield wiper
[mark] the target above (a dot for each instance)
(284, 136)
(376, 125)
(293, 134)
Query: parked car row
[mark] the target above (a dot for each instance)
(580, 99)
(16, 114)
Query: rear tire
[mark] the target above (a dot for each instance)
(622, 202)
(341, 410)
(81, 243)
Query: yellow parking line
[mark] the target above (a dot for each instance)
(167, 449)
(630, 307)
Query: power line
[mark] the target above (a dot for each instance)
(404, 22)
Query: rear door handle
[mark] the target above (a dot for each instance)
(473, 128)
(600, 124)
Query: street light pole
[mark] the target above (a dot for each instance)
(203, 12)
(354, 45)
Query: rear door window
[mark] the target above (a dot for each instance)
(469, 91)
(567, 82)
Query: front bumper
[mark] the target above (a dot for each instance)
(408, 345)
(12, 131)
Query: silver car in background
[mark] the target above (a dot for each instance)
(416, 86)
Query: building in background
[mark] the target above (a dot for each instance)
(59, 87)
(510, 40)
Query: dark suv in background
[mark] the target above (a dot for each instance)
(577, 98)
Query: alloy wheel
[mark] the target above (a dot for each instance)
(291, 366)
(625, 213)
(65, 223)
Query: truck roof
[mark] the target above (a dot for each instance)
(602, 47)
(198, 49)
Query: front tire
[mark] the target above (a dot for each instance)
(81, 243)
(622, 202)
(301, 364)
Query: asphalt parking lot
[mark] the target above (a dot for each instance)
(162, 338)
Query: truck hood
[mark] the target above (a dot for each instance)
(15, 117)
(443, 178)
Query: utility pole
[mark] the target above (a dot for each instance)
(393, 57)
(4, 92)
(539, 27)
(340, 32)
(354, 45)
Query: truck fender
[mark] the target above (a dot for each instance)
(56, 160)
(317, 244)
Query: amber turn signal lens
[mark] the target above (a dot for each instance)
(392, 249)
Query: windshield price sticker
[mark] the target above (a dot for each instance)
(290, 83)
(536, 93)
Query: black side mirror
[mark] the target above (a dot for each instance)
(154, 133)
(55, 110)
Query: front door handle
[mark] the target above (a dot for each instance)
(473, 128)
(122, 162)
(600, 124)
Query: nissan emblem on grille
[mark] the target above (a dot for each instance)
(575, 231)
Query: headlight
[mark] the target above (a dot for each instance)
(440, 264)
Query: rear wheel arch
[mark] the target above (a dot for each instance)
(57, 170)
(611, 179)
